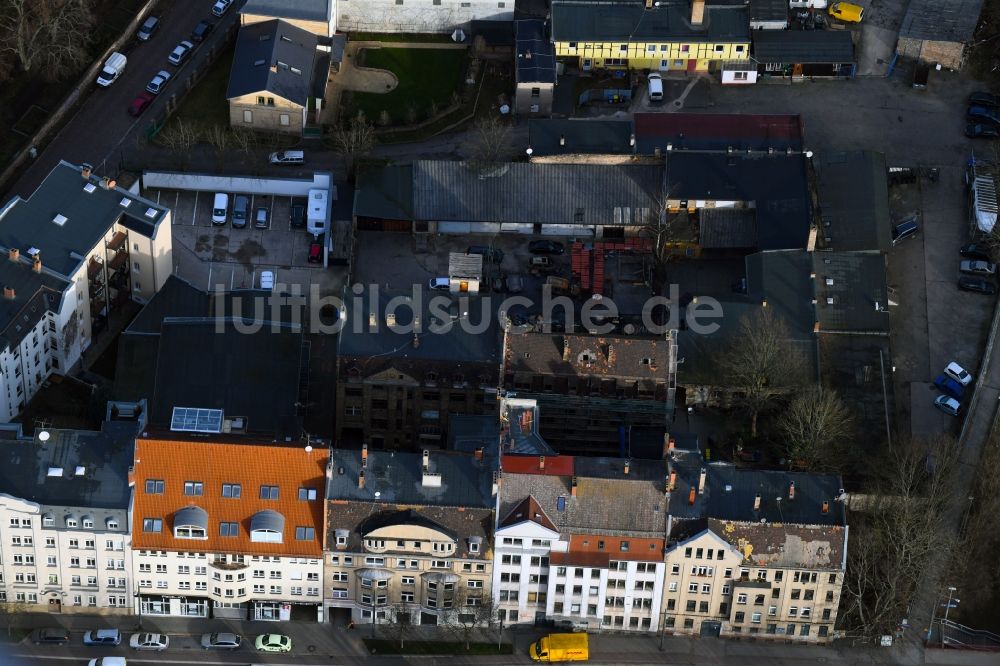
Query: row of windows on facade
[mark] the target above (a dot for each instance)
(651, 48)
(50, 542)
(48, 520)
(227, 529)
(436, 3)
(804, 612)
(402, 563)
(32, 598)
(283, 119)
(74, 562)
(202, 586)
(436, 546)
(577, 572)
(232, 558)
(742, 597)
(228, 490)
(773, 628)
(185, 570)
(624, 546)
(75, 581)
(779, 575)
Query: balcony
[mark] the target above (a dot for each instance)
(227, 566)
(118, 261)
(117, 241)
(95, 269)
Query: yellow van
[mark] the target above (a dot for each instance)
(847, 12)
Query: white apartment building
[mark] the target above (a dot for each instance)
(418, 16)
(78, 248)
(64, 520)
(228, 530)
(580, 541)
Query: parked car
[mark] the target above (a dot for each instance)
(260, 218)
(153, 642)
(439, 284)
(102, 637)
(515, 283)
(977, 267)
(315, 252)
(107, 661)
(273, 643)
(113, 68)
(947, 405)
(978, 285)
(287, 157)
(984, 99)
(220, 207)
(222, 640)
(241, 208)
(981, 131)
(202, 30)
(982, 114)
(958, 373)
(50, 636)
(140, 103)
(489, 253)
(267, 284)
(976, 251)
(298, 216)
(180, 52)
(221, 7)
(949, 386)
(655, 82)
(158, 81)
(905, 229)
(546, 247)
(148, 29)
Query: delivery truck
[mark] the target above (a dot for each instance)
(561, 647)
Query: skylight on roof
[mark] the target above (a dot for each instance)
(89, 187)
(296, 70)
(60, 219)
(125, 202)
(194, 419)
(259, 63)
(55, 471)
(151, 213)
(80, 470)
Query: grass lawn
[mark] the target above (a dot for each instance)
(379, 646)
(425, 76)
(206, 104)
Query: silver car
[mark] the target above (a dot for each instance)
(158, 81)
(221, 641)
(180, 52)
(154, 642)
(978, 267)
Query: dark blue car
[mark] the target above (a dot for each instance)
(949, 386)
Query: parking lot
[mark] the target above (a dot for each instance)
(210, 255)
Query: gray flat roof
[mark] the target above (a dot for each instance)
(555, 136)
(536, 54)
(385, 193)
(803, 46)
(949, 21)
(853, 194)
(632, 22)
(26, 223)
(34, 295)
(855, 282)
(307, 10)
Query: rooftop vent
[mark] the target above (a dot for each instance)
(829, 282)
(60, 219)
(89, 187)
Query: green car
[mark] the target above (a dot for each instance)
(273, 643)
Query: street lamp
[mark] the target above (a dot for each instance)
(937, 598)
(949, 606)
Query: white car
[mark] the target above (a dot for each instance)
(439, 284)
(267, 280)
(155, 642)
(158, 81)
(958, 373)
(947, 405)
(180, 52)
(221, 7)
(107, 661)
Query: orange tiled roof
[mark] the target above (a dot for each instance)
(215, 464)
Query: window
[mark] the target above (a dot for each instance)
(307, 494)
(624, 546)
(793, 611)
(719, 48)
(195, 488)
(283, 119)
(833, 581)
(232, 490)
(806, 612)
(804, 630)
(154, 486)
(152, 525)
(88, 524)
(673, 586)
(755, 618)
(740, 616)
(305, 533)
(739, 48)
(741, 598)
(772, 611)
(229, 529)
(269, 492)
(248, 115)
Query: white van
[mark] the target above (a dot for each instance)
(219, 208)
(112, 69)
(655, 87)
(288, 157)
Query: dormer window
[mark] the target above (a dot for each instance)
(191, 523)
(267, 527)
(307, 494)
(475, 544)
(340, 537)
(112, 523)
(48, 520)
(88, 522)
(72, 521)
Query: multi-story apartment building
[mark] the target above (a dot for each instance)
(64, 519)
(78, 248)
(228, 529)
(401, 374)
(409, 537)
(753, 552)
(418, 16)
(580, 541)
(592, 388)
(691, 36)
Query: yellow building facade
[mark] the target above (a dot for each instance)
(691, 57)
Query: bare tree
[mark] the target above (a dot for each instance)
(245, 139)
(11, 613)
(896, 531)
(218, 137)
(761, 362)
(50, 37)
(669, 232)
(491, 143)
(180, 136)
(814, 428)
(400, 620)
(354, 141)
(474, 610)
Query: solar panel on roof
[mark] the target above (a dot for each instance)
(194, 419)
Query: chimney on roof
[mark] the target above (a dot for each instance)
(756, 502)
(692, 495)
(14, 254)
(572, 488)
(427, 459)
(541, 463)
(479, 453)
(826, 507)
(416, 341)
(628, 464)
(85, 170)
(9, 293)
(364, 456)
(669, 444)
(36, 263)
(791, 491)
(701, 481)
(105, 183)
(372, 322)
(672, 483)
(649, 4)
(697, 12)
(361, 479)
(565, 350)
